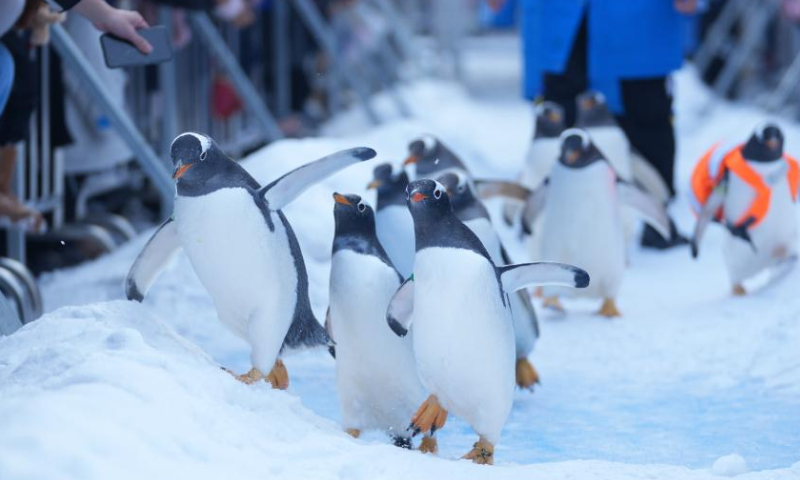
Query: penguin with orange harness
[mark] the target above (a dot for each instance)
(751, 189)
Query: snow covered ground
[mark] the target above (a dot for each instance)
(689, 384)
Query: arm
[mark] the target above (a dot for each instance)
(122, 23)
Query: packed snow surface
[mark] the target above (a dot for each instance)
(690, 383)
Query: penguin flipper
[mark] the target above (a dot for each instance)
(329, 331)
(401, 307)
(285, 189)
(651, 210)
(152, 260)
(648, 178)
(524, 298)
(502, 188)
(521, 275)
(533, 207)
(707, 215)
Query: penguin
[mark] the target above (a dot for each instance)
(431, 156)
(376, 374)
(757, 172)
(580, 205)
(594, 117)
(463, 334)
(545, 146)
(471, 211)
(242, 248)
(542, 153)
(394, 224)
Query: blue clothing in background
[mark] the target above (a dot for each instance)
(627, 39)
(6, 76)
(505, 18)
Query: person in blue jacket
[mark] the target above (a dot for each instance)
(625, 49)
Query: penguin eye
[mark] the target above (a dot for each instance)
(203, 156)
(461, 188)
(361, 207)
(437, 194)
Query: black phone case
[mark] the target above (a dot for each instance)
(120, 53)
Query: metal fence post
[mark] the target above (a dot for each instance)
(322, 33)
(207, 31)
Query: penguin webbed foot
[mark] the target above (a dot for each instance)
(609, 309)
(353, 432)
(527, 376)
(278, 377)
(249, 378)
(739, 290)
(429, 445)
(482, 452)
(553, 303)
(429, 417)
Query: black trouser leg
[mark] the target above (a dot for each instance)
(647, 122)
(564, 88)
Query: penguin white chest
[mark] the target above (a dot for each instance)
(376, 374)
(775, 237)
(395, 229)
(581, 226)
(244, 266)
(541, 156)
(463, 337)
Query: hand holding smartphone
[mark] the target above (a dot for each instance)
(121, 53)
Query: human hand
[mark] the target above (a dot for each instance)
(40, 24)
(122, 23)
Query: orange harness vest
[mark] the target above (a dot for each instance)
(710, 171)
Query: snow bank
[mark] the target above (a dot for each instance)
(110, 391)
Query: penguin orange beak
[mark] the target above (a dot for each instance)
(772, 143)
(572, 156)
(418, 197)
(178, 173)
(411, 159)
(373, 184)
(338, 198)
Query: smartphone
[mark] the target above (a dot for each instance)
(121, 53)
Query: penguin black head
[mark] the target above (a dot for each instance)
(427, 198)
(196, 158)
(593, 110)
(577, 149)
(391, 188)
(765, 144)
(353, 215)
(429, 154)
(549, 120)
(458, 190)
(421, 149)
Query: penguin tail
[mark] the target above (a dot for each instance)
(306, 332)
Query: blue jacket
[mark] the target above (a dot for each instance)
(626, 39)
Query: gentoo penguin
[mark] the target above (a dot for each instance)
(581, 225)
(241, 247)
(545, 145)
(395, 227)
(542, 153)
(376, 374)
(754, 193)
(471, 211)
(463, 335)
(594, 117)
(431, 156)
